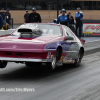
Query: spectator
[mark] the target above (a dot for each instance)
(1, 22)
(70, 18)
(8, 17)
(26, 17)
(79, 18)
(3, 14)
(34, 17)
(62, 19)
(71, 22)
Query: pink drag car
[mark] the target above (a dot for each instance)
(35, 43)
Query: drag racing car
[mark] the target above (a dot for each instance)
(35, 43)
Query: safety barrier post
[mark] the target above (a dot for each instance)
(12, 23)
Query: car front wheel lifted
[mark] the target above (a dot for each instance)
(52, 65)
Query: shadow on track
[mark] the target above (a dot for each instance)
(36, 73)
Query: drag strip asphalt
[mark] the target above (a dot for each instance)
(65, 83)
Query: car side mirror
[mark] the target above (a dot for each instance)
(69, 38)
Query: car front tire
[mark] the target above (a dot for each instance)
(52, 65)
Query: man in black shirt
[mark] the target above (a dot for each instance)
(70, 18)
(79, 18)
(34, 17)
(8, 17)
(26, 17)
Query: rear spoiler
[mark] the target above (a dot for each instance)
(83, 41)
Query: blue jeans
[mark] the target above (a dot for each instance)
(4, 22)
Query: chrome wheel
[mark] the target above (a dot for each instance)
(53, 63)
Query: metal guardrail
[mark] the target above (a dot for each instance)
(5, 32)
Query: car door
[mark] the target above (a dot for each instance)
(70, 47)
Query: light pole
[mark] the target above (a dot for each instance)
(6, 4)
(49, 13)
(57, 8)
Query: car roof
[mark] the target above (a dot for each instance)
(44, 23)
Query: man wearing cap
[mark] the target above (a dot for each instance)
(8, 17)
(62, 19)
(34, 17)
(79, 18)
(26, 17)
(3, 14)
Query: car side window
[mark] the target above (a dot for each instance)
(69, 32)
(66, 34)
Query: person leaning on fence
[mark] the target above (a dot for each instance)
(62, 19)
(26, 17)
(1, 22)
(34, 17)
(79, 18)
(8, 17)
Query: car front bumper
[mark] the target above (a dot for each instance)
(24, 59)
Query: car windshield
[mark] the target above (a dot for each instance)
(38, 29)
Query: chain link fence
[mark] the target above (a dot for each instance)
(18, 20)
(45, 19)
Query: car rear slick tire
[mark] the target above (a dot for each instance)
(78, 60)
(3, 64)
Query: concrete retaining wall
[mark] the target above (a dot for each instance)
(4, 32)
